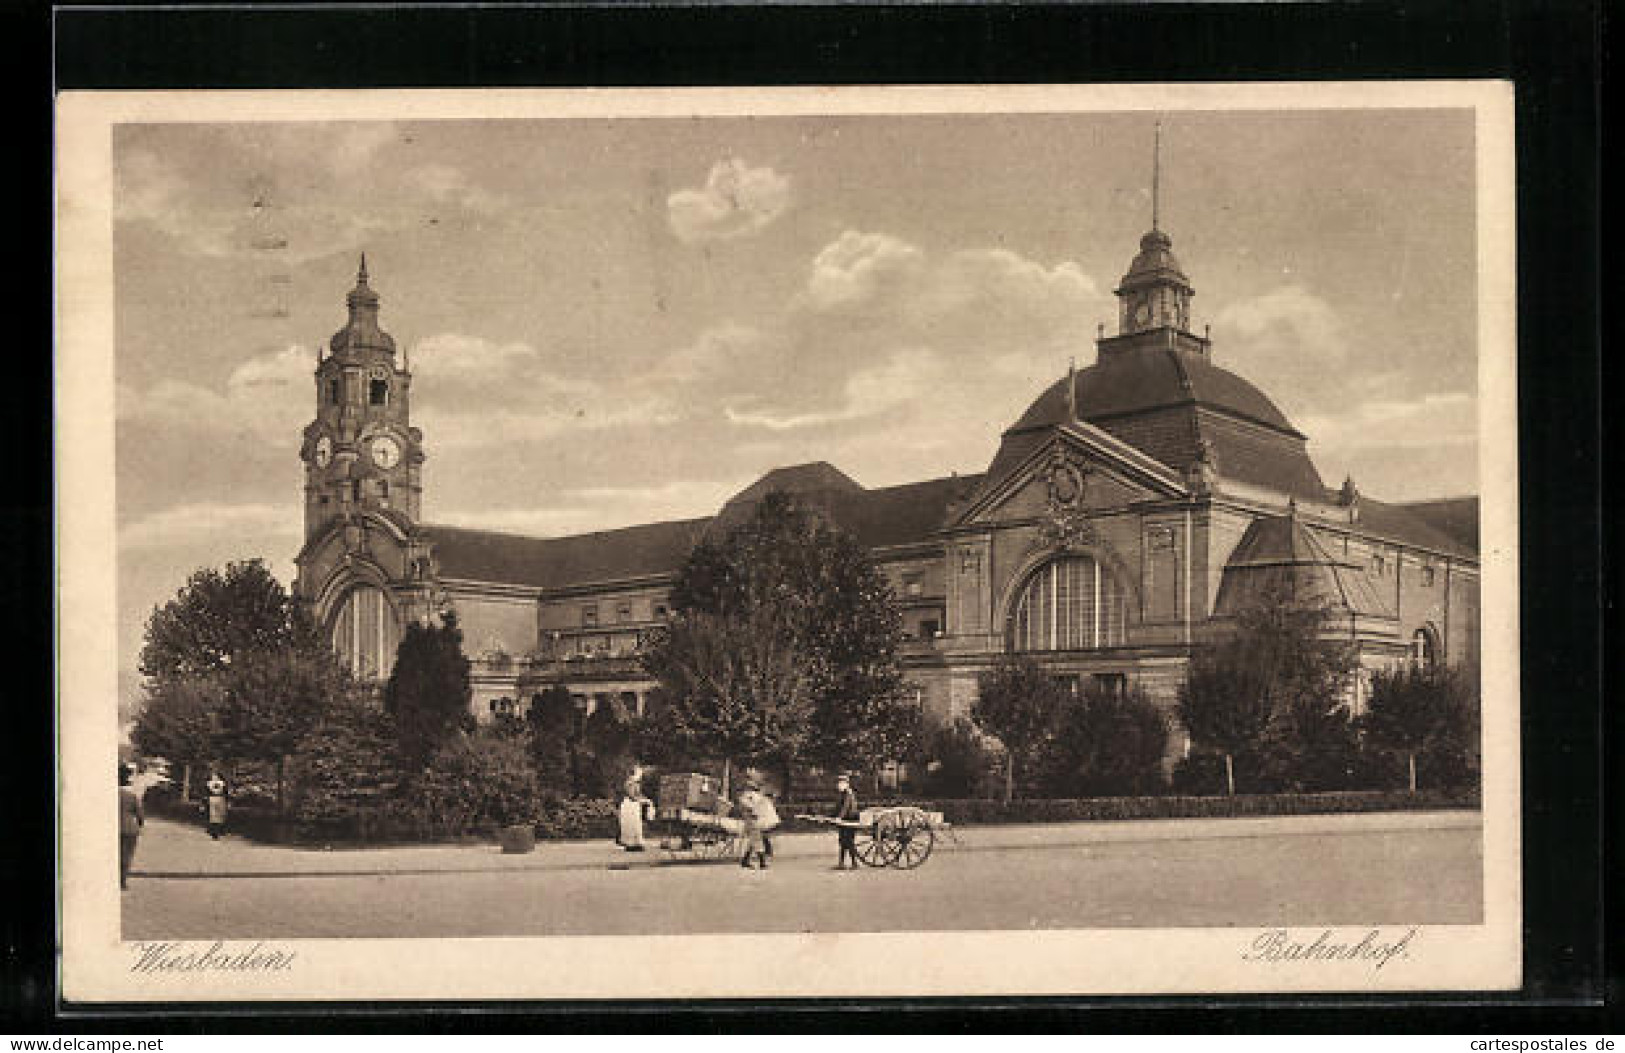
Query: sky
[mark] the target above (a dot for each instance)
(614, 321)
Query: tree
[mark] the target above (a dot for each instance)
(1417, 708)
(737, 686)
(957, 760)
(346, 767)
(607, 734)
(1018, 703)
(219, 616)
(555, 727)
(1107, 743)
(270, 700)
(179, 722)
(1278, 685)
(428, 691)
(823, 681)
(1225, 702)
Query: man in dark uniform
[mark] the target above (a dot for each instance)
(131, 818)
(846, 808)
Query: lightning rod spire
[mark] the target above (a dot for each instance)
(1156, 176)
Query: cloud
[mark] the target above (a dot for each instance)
(868, 394)
(855, 268)
(1437, 419)
(449, 185)
(736, 200)
(1289, 320)
(190, 525)
(299, 190)
(270, 396)
(473, 392)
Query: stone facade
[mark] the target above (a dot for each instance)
(1124, 511)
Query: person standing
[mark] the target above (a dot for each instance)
(767, 820)
(846, 809)
(131, 818)
(631, 815)
(217, 805)
(750, 813)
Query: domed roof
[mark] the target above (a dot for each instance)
(1178, 408)
(1151, 378)
(362, 332)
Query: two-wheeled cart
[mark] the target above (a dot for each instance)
(692, 820)
(899, 836)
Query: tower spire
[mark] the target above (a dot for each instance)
(1071, 390)
(361, 274)
(1156, 175)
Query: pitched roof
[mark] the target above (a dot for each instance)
(608, 555)
(893, 515)
(1281, 554)
(1455, 517)
(1403, 523)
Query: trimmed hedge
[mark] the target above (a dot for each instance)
(969, 812)
(566, 819)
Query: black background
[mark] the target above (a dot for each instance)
(1552, 50)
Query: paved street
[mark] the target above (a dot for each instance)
(1318, 870)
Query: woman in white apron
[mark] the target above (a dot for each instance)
(631, 816)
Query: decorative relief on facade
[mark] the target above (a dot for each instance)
(1065, 525)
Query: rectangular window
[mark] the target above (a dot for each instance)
(1379, 564)
(378, 393)
(1427, 577)
(1113, 684)
(929, 628)
(913, 585)
(1162, 575)
(589, 615)
(623, 611)
(660, 610)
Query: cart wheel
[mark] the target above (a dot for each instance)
(871, 845)
(716, 847)
(914, 840)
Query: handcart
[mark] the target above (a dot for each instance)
(899, 836)
(692, 820)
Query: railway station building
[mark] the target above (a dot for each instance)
(1134, 508)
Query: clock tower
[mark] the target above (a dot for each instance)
(361, 453)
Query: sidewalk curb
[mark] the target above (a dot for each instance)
(1095, 834)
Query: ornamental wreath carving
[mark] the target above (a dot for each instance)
(1064, 525)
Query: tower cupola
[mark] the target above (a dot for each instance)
(362, 333)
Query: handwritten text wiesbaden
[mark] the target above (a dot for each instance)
(219, 957)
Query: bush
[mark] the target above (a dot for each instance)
(345, 768)
(577, 819)
(1106, 744)
(483, 778)
(958, 761)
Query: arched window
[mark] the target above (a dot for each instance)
(1070, 604)
(1424, 648)
(365, 633)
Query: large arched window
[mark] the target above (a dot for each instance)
(365, 633)
(1424, 647)
(1070, 604)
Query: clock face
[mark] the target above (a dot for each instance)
(324, 451)
(386, 452)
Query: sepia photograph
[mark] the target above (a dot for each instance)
(787, 543)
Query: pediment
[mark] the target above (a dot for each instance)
(1078, 471)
